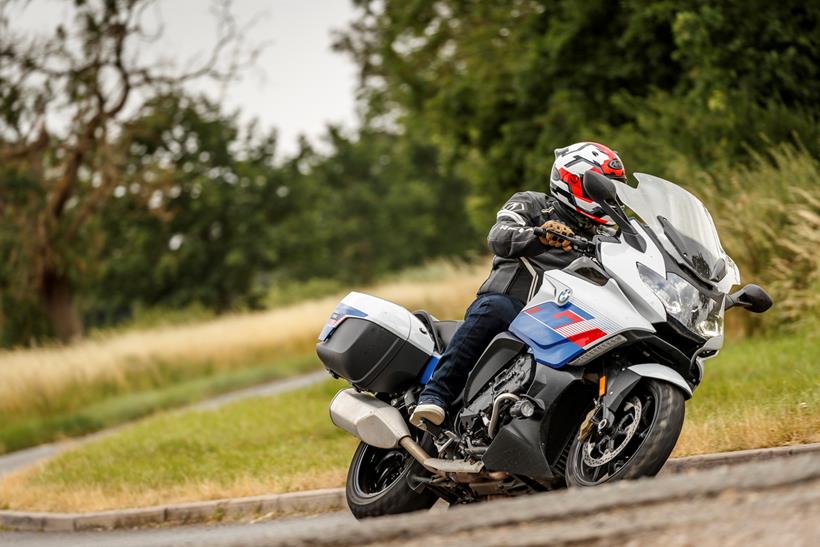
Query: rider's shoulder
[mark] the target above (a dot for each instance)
(529, 199)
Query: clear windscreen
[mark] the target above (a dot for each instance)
(683, 225)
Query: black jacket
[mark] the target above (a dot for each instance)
(520, 257)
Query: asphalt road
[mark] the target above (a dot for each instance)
(775, 502)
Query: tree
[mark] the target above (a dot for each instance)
(377, 202)
(64, 100)
(213, 200)
(500, 84)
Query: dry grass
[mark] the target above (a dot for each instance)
(751, 427)
(29, 495)
(40, 375)
(768, 215)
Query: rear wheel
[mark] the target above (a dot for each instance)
(645, 431)
(380, 482)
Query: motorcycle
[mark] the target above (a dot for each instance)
(587, 386)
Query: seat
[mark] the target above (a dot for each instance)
(446, 330)
(441, 331)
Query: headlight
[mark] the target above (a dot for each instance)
(683, 301)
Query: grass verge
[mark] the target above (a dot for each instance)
(272, 444)
(757, 393)
(117, 409)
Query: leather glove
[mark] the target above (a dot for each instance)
(554, 241)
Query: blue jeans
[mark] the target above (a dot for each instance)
(490, 314)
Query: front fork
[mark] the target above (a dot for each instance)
(614, 384)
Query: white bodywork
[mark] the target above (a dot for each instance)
(620, 261)
(609, 306)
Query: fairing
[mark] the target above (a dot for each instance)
(559, 331)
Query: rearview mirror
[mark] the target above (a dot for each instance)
(603, 192)
(598, 187)
(751, 297)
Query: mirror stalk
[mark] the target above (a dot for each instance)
(603, 191)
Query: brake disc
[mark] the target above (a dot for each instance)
(634, 404)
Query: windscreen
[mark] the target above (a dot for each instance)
(683, 225)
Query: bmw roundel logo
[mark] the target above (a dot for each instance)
(563, 296)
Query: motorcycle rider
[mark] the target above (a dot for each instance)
(520, 259)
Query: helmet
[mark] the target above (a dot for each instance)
(568, 170)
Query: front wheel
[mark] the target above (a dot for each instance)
(379, 482)
(645, 430)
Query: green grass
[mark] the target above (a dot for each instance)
(106, 406)
(276, 443)
(756, 393)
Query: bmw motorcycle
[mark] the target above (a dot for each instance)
(587, 386)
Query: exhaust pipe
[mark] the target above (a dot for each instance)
(381, 425)
(373, 421)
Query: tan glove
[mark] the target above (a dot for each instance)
(555, 241)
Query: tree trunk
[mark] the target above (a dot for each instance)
(58, 297)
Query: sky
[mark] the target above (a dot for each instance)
(298, 83)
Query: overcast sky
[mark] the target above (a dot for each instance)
(299, 84)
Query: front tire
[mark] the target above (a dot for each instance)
(379, 482)
(647, 428)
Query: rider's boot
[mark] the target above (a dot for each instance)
(431, 412)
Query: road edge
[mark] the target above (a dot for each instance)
(314, 501)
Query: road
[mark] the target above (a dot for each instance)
(776, 502)
(22, 458)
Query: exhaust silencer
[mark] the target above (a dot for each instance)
(371, 420)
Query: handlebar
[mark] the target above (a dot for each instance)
(580, 244)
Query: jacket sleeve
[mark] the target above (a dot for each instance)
(511, 236)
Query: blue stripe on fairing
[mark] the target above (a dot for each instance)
(341, 312)
(429, 368)
(548, 347)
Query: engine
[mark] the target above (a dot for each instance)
(474, 418)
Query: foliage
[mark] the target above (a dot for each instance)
(64, 101)
(194, 227)
(166, 201)
(503, 83)
(372, 205)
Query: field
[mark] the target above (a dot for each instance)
(52, 392)
(756, 393)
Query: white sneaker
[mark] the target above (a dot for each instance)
(430, 412)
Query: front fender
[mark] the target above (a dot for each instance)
(664, 373)
(620, 381)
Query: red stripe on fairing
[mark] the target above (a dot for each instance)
(586, 337)
(534, 309)
(572, 316)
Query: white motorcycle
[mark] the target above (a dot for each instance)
(587, 386)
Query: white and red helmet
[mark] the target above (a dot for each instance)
(568, 171)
